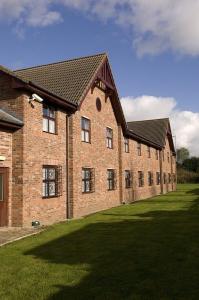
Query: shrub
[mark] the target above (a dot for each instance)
(185, 176)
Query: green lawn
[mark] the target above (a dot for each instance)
(148, 250)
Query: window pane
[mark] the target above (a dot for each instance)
(45, 190)
(87, 183)
(52, 189)
(45, 111)
(110, 184)
(87, 174)
(87, 124)
(51, 126)
(51, 173)
(1, 187)
(45, 124)
(109, 133)
(52, 113)
(87, 136)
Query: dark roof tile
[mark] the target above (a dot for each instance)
(67, 79)
(152, 130)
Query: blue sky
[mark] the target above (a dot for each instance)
(143, 64)
(160, 75)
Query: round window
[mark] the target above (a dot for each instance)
(98, 104)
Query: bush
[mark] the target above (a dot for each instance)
(185, 176)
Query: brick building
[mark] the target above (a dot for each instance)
(66, 149)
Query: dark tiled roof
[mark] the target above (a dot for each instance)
(152, 130)
(8, 118)
(67, 79)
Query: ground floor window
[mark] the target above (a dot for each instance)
(169, 177)
(150, 178)
(128, 179)
(174, 178)
(158, 178)
(140, 178)
(51, 181)
(88, 180)
(111, 179)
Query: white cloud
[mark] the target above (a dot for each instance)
(29, 13)
(156, 25)
(185, 124)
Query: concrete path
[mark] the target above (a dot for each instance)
(8, 235)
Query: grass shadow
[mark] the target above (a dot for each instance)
(152, 255)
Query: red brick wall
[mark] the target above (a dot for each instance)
(95, 155)
(41, 148)
(135, 163)
(168, 167)
(29, 148)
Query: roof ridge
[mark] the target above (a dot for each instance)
(61, 61)
(148, 120)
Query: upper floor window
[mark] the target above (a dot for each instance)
(109, 138)
(126, 145)
(128, 179)
(157, 178)
(150, 178)
(111, 179)
(140, 178)
(88, 176)
(49, 119)
(149, 151)
(139, 150)
(51, 181)
(156, 154)
(86, 130)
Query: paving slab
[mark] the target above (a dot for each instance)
(11, 234)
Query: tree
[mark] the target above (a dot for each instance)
(182, 155)
(191, 164)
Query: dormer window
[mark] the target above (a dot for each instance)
(49, 119)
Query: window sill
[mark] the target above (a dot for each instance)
(53, 133)
(50, 197)
(86, 142)
(84, 193)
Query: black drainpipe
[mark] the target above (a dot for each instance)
(68, 208)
